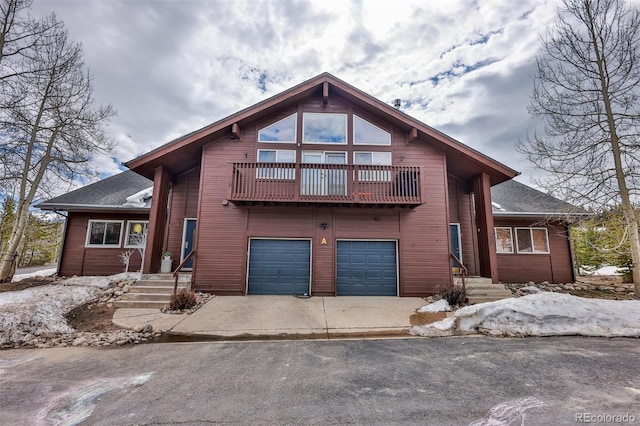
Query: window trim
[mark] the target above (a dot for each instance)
(495, 234)
(87, 243)
(373, 175)
(129, 222)
(346, 128)
(295, 130)
(546, 233)
(355, 142)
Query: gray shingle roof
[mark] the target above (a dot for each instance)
(107, 194)
(513, 197)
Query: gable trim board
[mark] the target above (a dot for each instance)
(193, 175)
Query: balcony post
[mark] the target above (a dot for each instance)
(297, 182)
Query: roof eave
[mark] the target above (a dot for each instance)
(92, 208)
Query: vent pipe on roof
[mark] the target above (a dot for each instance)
(397, 103)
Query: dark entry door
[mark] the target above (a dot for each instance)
(279, 266)
(189, 241)
(366, 268)
(456, 249)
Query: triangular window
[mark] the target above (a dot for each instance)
(281, 131)
(365, 133)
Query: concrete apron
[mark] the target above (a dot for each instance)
(283, 317)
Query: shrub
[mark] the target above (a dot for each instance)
(183, 299)
(456, 295)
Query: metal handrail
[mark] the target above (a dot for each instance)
(176, 273)
(463, 269)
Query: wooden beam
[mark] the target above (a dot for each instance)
(235, 131)
(325, 93)
(413, 135)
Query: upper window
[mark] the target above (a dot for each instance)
(373, 159)
(504, 240)
(324, 128)
(532, 240)
(276, 156)
(283, 131)
(104, 233)
(136, 233)
(365, 133)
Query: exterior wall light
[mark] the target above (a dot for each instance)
(324, 225)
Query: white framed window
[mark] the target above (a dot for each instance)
(282, 131)
(324, 128)
(136, 233)
(365, 133)
(532, 240)
(276, 156)
(104, 233)
(373, 159)
(504, 239)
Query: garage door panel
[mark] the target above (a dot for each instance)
(366, 268)
(279, 266)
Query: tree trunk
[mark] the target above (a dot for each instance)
(22, 216)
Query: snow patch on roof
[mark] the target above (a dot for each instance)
(139, 199)
(497, 206)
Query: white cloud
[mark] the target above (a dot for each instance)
(172, 67)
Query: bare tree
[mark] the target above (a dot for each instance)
(586, 91)
(125, 258)
(48, 127)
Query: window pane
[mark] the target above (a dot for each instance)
(365, 133)
(325, 128)
(96, 233)
(286, 157)
(381, 158)
(137, 230)
(266, 156)
(504, 244)
(280, 131)
(363, 158)
(524, 240)
(112, 233)
(540, 243)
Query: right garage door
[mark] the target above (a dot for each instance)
(366, 268)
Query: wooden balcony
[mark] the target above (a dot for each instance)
(336, 185)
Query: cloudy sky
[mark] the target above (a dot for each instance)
(170, 67)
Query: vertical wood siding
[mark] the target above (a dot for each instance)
(461, 211)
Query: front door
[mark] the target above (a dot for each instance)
(188, 240)
(323, 180)
(456, 245)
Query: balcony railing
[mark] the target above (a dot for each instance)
(326, 184)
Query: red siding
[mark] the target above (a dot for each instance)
(554, 267)
(80, 260)
(184, 204)
(461, 211)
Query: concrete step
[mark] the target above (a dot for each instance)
(166, 277)
(145, 304)
(160, 283)
(151, 297)
(482, 299)
(155, 289)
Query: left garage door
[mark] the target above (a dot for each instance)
(279, 266)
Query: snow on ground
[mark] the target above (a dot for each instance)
(40, 273)
(542, 314)
(40, 310)
(603, 271)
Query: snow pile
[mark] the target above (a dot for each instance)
(440, 306)
(40, 273)
(139, 199)
(40, 310)
(542, 314)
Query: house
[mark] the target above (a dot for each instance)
(321, 189)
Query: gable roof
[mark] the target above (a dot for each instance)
(105, 195)
(512, 198)
(184, 152)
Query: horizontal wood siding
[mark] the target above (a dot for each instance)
(424, 243)
(221, 239)
(184, 204)
(223, 230)
(554, 267)
(461, 211)
(80, 260)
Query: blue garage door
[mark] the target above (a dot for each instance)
(279, 266)
(366, 268)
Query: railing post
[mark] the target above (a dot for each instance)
(297, 182)
(231, 183)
